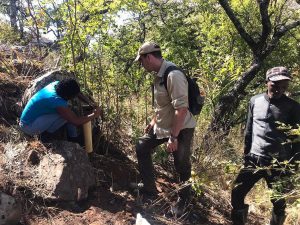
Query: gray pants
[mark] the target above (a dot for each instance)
(145, 147)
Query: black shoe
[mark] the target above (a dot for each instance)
(140, 188)
(149, 192)
(46, 137)
(148, 196)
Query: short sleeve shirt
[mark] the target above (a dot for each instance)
(45, 101)
(167, 101)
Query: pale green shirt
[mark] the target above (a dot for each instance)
(165, 102)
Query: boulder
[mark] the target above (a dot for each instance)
(37, 84)
(10, 93)
(10, 210)
(62, 173)
(40, 82)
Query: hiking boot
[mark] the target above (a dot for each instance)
(147, 196)
(149, 193)
(46, 137)
(141, 189)
(239, 216)
(277, 219)
(144, 194)
(72, 206)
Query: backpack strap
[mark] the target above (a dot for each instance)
(164, 80)
(166, 73)
(152, 91)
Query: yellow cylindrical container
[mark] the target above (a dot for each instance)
(88, 141)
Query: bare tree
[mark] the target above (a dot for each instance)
(13, 14)
(261, 48)
(34, 18)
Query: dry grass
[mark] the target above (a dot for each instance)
(218, 166)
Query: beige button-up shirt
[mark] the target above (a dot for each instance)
(166, 102)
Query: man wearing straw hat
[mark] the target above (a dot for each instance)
(267, 147)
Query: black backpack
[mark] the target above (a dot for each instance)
(196, 100)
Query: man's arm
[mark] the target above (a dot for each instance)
(177, 86)
(71, 117)
(248, 130)
(150, 125)
(179, 118)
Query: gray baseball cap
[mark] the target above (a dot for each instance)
(278, 73)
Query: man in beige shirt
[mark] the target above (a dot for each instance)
(172, 123)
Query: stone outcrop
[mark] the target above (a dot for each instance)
(61, 173)
(10, 210)
(12, 99)
(40, 82)
(10, 93)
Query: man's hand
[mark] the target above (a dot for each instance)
(172, 145)
(148, 128)
(97, 112)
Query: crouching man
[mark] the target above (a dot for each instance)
(48, 110)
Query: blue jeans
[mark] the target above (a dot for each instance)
(49, 123)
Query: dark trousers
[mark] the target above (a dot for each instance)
(145, 148)
(254, 170)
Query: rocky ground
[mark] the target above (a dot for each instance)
(111, 200)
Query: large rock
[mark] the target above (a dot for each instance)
(62, 173)
(10, 93)
(10, 210)
(40, 82)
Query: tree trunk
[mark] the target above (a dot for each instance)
(13, 14)
(261, 48)
(222, 117)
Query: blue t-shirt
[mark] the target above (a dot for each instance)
(45, 101)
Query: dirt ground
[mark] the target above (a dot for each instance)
(113, 202)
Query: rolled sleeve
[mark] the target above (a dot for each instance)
(166, 101)
(178, 88)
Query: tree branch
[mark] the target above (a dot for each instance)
(278, 34)
(296, 93)
(237, 24)
(222, 117)
(227, 104)
(87, 17)
(265, 20)
(284, 29)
